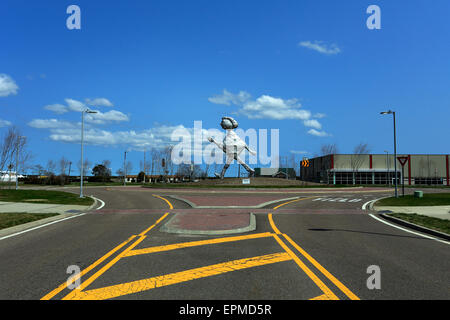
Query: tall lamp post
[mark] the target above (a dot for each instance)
(82, 138)
(125, 169)
(388, 176)
(395, 150)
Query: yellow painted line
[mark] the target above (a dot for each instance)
(168, 202)
(330, 295)
(195, 243)
(285, 203)
(325, 272)
(113, 261)
(178, 277)
(152, 226)
(92, 266)
(86, 283)
(272, 224)
(99, 261)
(321, 297)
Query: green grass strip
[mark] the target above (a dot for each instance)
(437, 224)
(13, 219)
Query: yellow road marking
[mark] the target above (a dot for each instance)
(316, 264)
(272, 224)
(86, 283)
(330, 295)
(177, 277)
(92, 266)
(99, 261)
(152, 226)
(195, 243)
(285, 203)
(168, 202)
(325, 272)
(321, 297)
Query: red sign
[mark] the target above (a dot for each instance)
(402, 160)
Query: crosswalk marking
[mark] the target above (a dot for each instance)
(338, 200)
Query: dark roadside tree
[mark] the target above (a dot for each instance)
(140, 177)
(101, 173)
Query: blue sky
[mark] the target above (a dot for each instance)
(311, 69)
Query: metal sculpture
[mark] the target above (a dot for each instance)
(232, 146)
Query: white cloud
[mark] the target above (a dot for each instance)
(321, 47)
(228, 98)
(312, 123)
(7, 85)
(299, 152)
(75, 105)
(265, 107)
(51, 124)
(4, 123)
(99, 102)
(57, 108)
(110, 116)
(319, 115)
(317, 133)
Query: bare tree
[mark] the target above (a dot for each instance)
(86, 167)
(327, 149)
(357, 158)
(13, 149)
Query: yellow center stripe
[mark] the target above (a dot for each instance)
(195, 243)
(330, 295)
(177, 277)
(168, 202)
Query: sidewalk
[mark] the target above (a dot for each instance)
(441, 212)
(40, 207)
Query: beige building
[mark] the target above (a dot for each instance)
(419, 169)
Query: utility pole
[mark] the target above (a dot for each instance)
(82, 140)
(124, 169)
(144, 166)
(70, 165)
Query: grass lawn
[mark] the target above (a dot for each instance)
(43, 196)
(13, 219)
(431, 199)
(441, 225)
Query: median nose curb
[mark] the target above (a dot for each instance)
(196, 223)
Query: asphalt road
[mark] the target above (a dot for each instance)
(319, 245)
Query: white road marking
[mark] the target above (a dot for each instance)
(337, 200)
(53, 222)
(101, 201)
(406, 230)
(41, 226)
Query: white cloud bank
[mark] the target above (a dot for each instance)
(274, 108)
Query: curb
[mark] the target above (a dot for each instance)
(34, 224)
(415, 227)
(250, 227)
(259, 206)
(408, 224)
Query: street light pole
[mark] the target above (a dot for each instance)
(395, 150)
(124, 169)
(388, 176)
(82, 140)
